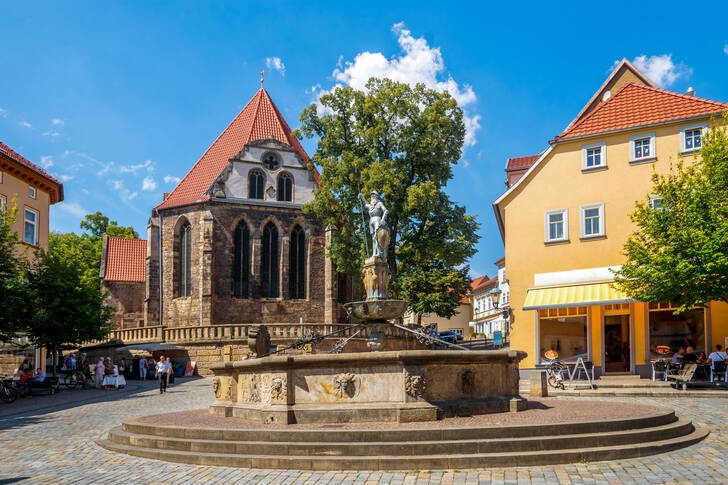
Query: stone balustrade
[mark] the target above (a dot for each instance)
(153, 334)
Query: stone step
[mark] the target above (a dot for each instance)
(634, 392)
(401, 462)
(675, 429)
(620, 376)
(660, 418)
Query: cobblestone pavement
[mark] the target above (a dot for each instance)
(52, 441)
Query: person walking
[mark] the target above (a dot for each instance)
(170, 372)
(99, 371)
(143, 369)
(160, 372)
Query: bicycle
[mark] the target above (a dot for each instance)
(73, 378)
(555, 374)
(8, 392)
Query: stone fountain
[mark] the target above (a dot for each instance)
(381, 386)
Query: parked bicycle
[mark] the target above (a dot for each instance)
(556, 371)
(8, 392)
(73, 378)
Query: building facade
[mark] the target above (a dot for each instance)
(488, 318)
(30, 191)
(565, 220)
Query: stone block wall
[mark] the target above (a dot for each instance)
(127, 299)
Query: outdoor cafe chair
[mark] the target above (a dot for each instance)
(718, 369)
(659, 368)
(684, 376)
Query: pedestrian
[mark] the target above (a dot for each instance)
(83, 365)
(99, 371)
(143, 368)
(170, 372)
(160, 372)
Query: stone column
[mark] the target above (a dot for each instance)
(205, 272)
(330, 285)
(151, 298)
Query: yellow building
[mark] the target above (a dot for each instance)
(565, 220)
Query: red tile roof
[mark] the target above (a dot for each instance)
(12, 154)
(637, 105)
(125, 259)
(486, 284)
(521, 163)
(258, 120)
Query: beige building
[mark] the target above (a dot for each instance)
(31, 191)
(458, 322)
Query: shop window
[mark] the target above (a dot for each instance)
(668, 330)
(563, 330)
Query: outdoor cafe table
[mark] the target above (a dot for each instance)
(114, 381)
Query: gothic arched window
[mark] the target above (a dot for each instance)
(297, 264)
(285, 187)
(185, 259)
(241, 261)
(269, 261)
(256, 184)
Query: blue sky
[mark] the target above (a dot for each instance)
(120, 99)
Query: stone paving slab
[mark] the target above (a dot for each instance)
(53, 442)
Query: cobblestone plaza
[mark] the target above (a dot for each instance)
(50, 439)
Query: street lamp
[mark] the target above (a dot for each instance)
(494, 296)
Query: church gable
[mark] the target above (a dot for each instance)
(266, 171)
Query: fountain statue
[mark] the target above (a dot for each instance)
(381, 385)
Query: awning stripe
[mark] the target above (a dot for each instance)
(575, 295)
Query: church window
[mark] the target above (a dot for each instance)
(241, 261)
(297, 261)
(271, 161)
(256, 183)
(285, 187)
(269, 270)
(185, 259)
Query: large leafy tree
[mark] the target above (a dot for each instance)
(679, 252)
(401, 141)
(69, 308)
(15, 293)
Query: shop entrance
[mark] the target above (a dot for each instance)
(616, 343)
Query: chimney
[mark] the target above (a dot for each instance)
(166, 194)
(690, 91)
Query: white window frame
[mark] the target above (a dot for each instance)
(35, 225)
(653, 198)
(32, 192)
(3, 205)
(602, 224)
(602, 145)
(547, 225)
(702, 126)
(653, 154)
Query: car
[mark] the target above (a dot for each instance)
(449, 336)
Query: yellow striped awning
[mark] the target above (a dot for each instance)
(574, 295)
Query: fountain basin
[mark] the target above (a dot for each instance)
(372, 310)
(391, 386)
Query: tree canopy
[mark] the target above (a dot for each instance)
(679, 252)
(401, 141)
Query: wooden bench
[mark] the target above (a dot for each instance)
(684, 376)
(49, 384)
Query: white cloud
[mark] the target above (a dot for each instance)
(3, 113)
(73, 208)
(149, 184)
(725, 49)
(132, 195)
(66, 178)
(276, 64)
(46, 161)
(169, 179)
(57, 122)
(661, 69)
(50, 133)
(25, 124)
(134, 168)
(418, 63)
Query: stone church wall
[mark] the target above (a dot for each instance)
(127, 299)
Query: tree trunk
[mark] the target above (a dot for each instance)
(419, 319)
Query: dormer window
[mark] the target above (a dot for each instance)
(256, 183)
(271, 161)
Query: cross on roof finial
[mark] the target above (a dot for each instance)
(262, 73)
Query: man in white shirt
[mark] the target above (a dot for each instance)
(160, 372)
(718, 355)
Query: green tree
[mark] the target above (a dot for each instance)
(401, 141)
(679, 252)
(69, 307)
(15, 293)
(97, 224)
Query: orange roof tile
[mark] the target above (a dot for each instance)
(521, 163)
(13, 155)
(637, 105)
(258, 120)
(125, 259)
